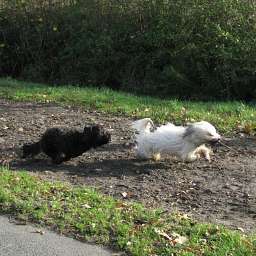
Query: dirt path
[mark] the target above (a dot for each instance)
(221, 192)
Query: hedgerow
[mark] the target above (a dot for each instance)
(188, 49)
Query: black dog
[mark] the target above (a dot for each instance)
(62, 144)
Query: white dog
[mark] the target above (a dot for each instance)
(185, 142)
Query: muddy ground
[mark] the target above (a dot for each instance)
(223, 191)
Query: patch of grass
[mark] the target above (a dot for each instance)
(91, 216)
(226, 116)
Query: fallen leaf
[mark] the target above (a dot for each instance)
(124, 194)
(248, 128)
(203, 241)
(174, 238)
(20, 222)
(121, 205)
(163, 234)
(178, 239)
(86, 206)
(184, 216)
(39, 231)
(240, 229)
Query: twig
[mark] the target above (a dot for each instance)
(228, 147)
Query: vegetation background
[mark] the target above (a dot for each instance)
(194, 49)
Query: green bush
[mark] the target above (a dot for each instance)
(190, 49)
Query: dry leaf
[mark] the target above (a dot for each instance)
(240, 229)
(20, 222)
(39, 231)
(178, 239)
(174, 238)
(121, 205)
(124, 194)
(184, 216)
(248, 128)
(203, 241)
(163, 234)
(86, 206)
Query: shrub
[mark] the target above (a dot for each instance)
(189, 49)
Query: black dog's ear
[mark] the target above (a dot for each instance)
(92, 130)
(88, 130)
(96, 129)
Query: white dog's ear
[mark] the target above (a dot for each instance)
(189, 130)
(143, 125)
(151, 125)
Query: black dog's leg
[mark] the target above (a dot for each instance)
(58, 158)
(30, 150)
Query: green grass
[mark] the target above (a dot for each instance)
(227, 116)
(91, 216)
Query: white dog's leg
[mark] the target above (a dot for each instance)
(190, 157)
(203, 151)
(189, 153)
(156, 157)
(141, 153)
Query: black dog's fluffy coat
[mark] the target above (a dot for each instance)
(62, 144)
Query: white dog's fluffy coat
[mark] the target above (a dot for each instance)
(185, 142)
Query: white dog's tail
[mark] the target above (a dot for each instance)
(143, 125)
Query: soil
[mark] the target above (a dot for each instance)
(223, 191)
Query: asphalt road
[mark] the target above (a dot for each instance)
(26, 240)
